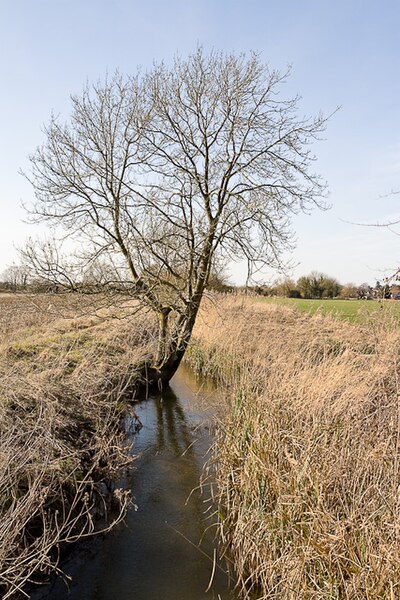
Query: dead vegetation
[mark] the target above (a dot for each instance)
(63, 386)
(307, 456)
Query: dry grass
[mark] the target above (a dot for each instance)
(307, 456)
(62, 386)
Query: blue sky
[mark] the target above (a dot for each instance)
(342, 53)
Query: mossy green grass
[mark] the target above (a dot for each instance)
(350, 310)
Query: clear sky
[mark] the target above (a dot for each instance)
(343, 52)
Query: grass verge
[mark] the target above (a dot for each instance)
(65, 370)
(307, 455)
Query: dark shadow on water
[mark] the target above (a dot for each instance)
(155, 554)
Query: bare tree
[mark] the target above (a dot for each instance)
(15, 277)
(175, 169)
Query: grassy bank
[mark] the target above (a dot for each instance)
(308, 453)
(65, 369)
(350, 310)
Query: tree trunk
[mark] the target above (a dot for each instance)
(171, 351)
(162, 335)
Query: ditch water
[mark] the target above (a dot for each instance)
(165, 548)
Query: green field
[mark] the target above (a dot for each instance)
(351, 310)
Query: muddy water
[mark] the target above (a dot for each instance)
(162, 550)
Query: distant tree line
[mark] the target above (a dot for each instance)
(98, 278)
(318, 286)
(18, 278)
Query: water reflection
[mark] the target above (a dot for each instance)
(156, 554)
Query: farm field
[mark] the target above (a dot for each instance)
(351, 310)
